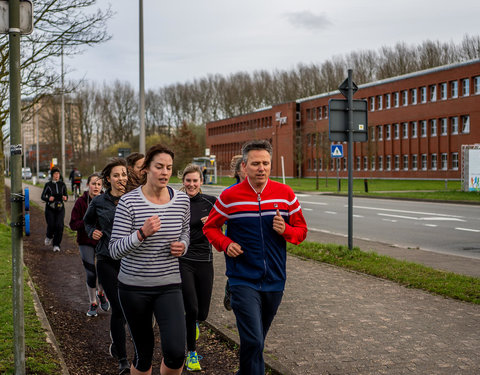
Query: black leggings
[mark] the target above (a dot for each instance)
(197, 284)
(166, 304)
(107, 271)
(55, 224)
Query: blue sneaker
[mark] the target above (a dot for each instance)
(192, 363)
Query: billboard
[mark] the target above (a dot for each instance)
(474, 170)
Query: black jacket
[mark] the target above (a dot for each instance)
(100, 214)
(199, 249)
(57, 190)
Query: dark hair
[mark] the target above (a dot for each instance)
(95, 174)
(133, 158)
(151, 152)
(256, 145)
(54, 170)
(114, 162)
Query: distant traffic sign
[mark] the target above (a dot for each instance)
(338, 120)
(337, 151)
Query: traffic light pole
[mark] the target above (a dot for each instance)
(16, 186)
(350, 159)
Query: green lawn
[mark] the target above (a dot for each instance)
(37, 357)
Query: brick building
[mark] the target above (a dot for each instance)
(417, 125)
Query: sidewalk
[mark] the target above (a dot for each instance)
(333, 321)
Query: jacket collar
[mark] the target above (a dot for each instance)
(256, 192)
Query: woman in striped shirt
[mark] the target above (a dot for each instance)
(150, 231)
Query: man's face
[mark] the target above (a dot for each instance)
(258, 167)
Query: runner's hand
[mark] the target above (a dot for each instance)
(278, 223)
(177, 248)
(151, 226)
(96, 235)
(234, 250)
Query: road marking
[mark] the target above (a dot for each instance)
(390, 220)
(405, 211)
(307, 209)
(331, 212)
(317, 203)
(359, 216)
(327, 232)
(399, 216)
(468, 230)
(303, 195)
(430, 225)
(423, 218)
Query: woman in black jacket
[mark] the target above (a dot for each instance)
(98, 222)
(54, 194)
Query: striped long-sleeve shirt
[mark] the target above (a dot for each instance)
(149, 263)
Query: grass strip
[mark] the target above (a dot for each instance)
(38, 353)
(409, 274)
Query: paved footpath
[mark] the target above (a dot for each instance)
(333, 321)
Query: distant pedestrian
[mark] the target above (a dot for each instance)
(196, 266)
(54, 195)
(262, 216)
(87, 245)
(98, 224)
(151, 230)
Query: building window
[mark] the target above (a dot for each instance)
(444, 161)
(325, 111)
(466, 124)
(387, 101)
(405, 130)
(423, 94)
(454, 89)
(379, 102)
(309, 166)
(424, 162)
(372, 103)
(434, 162)
(465, 87)
(443, 126)
(414, 162)
(319, 113)
(413, 96)
(372, 133)
(380, 163)
(404, 97)
(365, 163)
(433, 127)
(396, 99)
(372, 163)
(414, 129)
(387, 132)
(388, 161)
(454, 125)
(423, 128)
(357, 163)
(455, 160)
(397, 162)
(476, 83)
(433, 93)
(405, 163)
(396, 131)
(380, 132)
(443, 90)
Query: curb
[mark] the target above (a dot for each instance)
(42, 316)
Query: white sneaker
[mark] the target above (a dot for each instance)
(56, 248)
(48, 241)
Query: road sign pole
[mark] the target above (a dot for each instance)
(16, 187)
(350, 159)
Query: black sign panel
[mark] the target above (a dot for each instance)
(338, 120)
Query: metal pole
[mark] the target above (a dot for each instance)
(317, 146)
(142, 83)
(63, 119)
(16, 187)
(350, 159)
(38, 145)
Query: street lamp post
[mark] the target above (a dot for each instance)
(63, 119)
(142, 82)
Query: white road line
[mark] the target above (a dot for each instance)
(423, 218)
(399, 216)
(468, 230)
(390, 220)
(303, 195)
(405, 211)
(430, 225)
(331, 212)
(307, 209)
(316, 203)
(359, 216)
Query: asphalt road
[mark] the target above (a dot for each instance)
(440, 227)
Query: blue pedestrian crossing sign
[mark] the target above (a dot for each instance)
(337, 151)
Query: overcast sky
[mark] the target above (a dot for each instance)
(188, 39)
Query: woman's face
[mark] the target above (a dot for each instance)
(160, 170)
(137, 168)
(192, 183)
(118, 179)
(56, 176)
(94, 186)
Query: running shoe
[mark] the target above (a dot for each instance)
(227, 297)
(197, 332)
(192, 363)
(92, 311)
(104, 304)
(56, 248)
(48, 241)
(123, 366)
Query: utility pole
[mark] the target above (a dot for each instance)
(37, 158)
(16, 187)
(141, 83)
(63, 119)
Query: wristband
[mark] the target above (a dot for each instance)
(142, 234)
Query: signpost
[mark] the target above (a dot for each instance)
(348, 123)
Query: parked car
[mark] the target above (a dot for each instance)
(26, 173)
(42, 175)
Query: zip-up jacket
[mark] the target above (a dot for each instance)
(100, 215)
(57, 190)
(262, 265)
(76, 221)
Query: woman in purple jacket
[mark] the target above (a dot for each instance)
(87, 245)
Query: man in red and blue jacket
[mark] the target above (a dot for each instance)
(262, 216)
